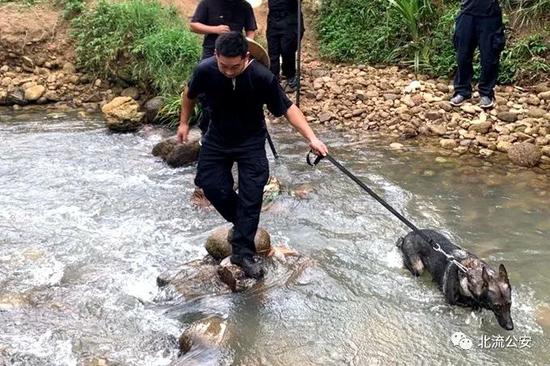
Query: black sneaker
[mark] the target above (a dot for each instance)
(293, 83)
(458, 100)
(486, 102)
(249, 266)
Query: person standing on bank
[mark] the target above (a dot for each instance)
(479, 23)
(237, 88)
(282, 38)
(215, 17)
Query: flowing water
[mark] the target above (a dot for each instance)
(89, 219)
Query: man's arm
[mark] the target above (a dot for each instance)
(297, 119)
(187, 106)
(201, 28)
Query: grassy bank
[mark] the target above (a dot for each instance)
(138, 41)
(418, 33)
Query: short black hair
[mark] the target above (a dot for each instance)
(231, 44)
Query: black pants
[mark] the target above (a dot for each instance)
(242, 209)
(471, 32)
(282, 42)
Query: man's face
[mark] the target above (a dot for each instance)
(231, 67)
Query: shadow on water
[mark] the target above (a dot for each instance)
(89, 219)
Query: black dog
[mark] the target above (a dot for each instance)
(480, 287)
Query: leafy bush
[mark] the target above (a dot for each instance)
(139, 41)
(358, 30)
(420, 33)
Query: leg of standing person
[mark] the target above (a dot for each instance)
(491, 44)
(274, 51)
(253, 170)
(215, 178)
(465, 42)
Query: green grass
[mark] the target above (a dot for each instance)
(139, 41)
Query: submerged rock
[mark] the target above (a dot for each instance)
(207, 332)
(194, 279)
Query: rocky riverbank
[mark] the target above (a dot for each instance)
(396, 103)
(37, 66)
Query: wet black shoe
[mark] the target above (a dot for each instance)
(249, 266)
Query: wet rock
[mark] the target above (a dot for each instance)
(507, 116)
(524, 154)
(34, 93)
(130, 92)
(448, 143)
(234, 277)
(218, 246)
(544, 95)
(16, 97)
(206, 333)
(198, 199)
(396, 146)
(152, 107)
(194, 279)
(122, 114)
(546, 150)
(178, 155)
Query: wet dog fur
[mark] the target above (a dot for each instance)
(480, 288)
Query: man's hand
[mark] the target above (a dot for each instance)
(220, 29)
(318, 147)
(183, 131)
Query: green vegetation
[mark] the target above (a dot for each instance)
(419, 33)
(140, 42)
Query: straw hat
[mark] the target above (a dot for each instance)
(257, 52)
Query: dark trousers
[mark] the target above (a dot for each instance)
(242, 209)
(471, 32)
(282, 42)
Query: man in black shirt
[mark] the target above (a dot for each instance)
(215, 17)
(478, 24)
(236, 89)
(282, 38)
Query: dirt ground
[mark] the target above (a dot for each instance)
(39, 32)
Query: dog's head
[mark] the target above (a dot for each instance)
(493, 292)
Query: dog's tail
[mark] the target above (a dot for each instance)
(400, 243)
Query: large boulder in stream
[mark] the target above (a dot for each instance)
(218, 246)
(178, 155)
(122, 114)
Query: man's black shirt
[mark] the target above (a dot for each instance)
(236, 105)
(237, 14)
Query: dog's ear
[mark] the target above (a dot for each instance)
(502, 274)
(485, 277)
